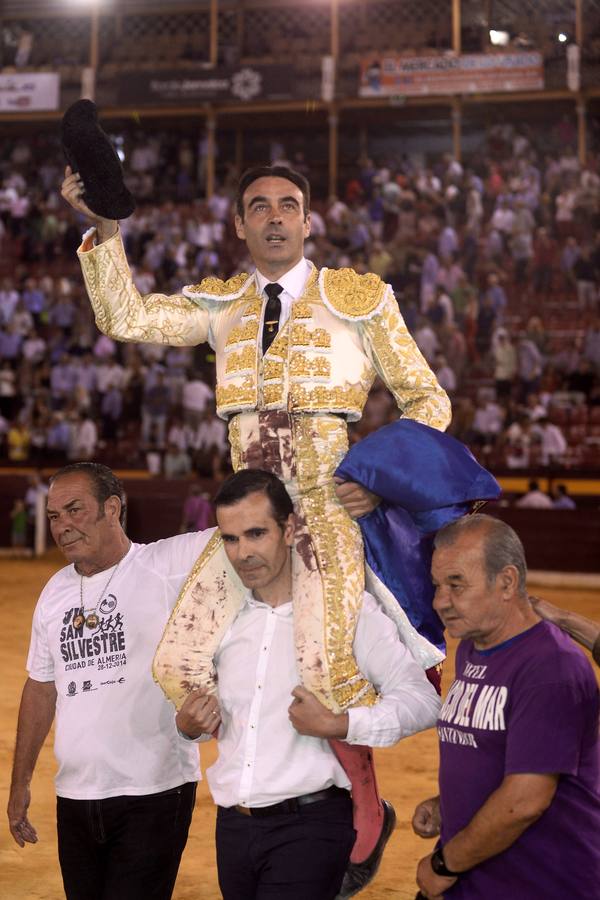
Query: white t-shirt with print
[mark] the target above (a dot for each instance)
(115, 729)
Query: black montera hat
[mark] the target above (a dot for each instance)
(89, 151)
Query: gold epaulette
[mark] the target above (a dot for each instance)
(215, 289)
(350, 295)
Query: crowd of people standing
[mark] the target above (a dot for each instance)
(495, 265)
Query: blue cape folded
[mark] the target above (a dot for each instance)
(425, 479)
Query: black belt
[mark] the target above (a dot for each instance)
(293, 804)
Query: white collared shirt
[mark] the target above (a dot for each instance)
(293, 284)
(262, 759)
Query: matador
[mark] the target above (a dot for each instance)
(287, 408)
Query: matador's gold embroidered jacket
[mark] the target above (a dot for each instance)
(344, 331)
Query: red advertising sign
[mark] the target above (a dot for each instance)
(393, 75)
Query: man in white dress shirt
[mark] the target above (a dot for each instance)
(284, 824)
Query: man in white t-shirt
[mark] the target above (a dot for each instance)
(284, 822)
(126, 779)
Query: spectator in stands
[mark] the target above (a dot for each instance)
(111, 410)
(109, 373)
(521, 241)
(461, 295)
(34, 300)
(455, 347)
(486, 321)
(9, 298)
(502, 220)
(11, 341)
(534, 498)
(18, 524)
(536, 332)
(444, 374)
(37, 490)
(529, 367)
(544, 257)
(583, 379)
(448, 243)
(8, 389)
(84, 439)
(535, 408)
(591, 346)
(518, 439)
(488, 421)
(553, 442)
(426, 340)
(440, 311)
(585, 278)
(565, 206)
(198, 511)
(380, 260)
(568, 258)
(176, 462)
(58, 439)
(505, 363)
(18, 441)
(155, 410)
(561, 499)
(196, 395)
(33, 348)
(497, 294)
(429, 278)
(209, 434)
(63, 380)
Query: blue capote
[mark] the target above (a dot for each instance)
(425, 479)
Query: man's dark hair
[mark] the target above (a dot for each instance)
(251, 175)
(256, 481)
(104, 483)
(501, 545)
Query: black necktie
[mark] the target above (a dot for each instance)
(272, 313)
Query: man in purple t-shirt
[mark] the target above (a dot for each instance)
(519, 807)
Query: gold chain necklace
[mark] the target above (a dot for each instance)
(92, 619)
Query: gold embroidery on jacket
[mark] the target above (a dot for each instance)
(352, 295)
(242, 334)
(243, 361)
(218, 288)
(237, 396)
(320, 445)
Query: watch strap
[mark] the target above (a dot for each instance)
(438, 864)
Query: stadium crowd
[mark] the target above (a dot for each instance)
(495, 264)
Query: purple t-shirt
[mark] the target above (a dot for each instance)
(529, 705)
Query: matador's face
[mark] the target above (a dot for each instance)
(274, 225)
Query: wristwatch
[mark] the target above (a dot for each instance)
(438, 864)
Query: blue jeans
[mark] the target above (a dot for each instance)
(124, 848)
(296, 856)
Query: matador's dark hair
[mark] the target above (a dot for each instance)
(251, 175)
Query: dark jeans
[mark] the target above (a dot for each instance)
(124, 848)
(296, 856)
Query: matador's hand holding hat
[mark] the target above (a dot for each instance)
(90, 153)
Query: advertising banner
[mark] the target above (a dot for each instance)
(393, 75)
(245, 84)
(26, 91)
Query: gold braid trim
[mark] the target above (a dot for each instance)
(215, 289)
(351, 296)
(338, 547)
